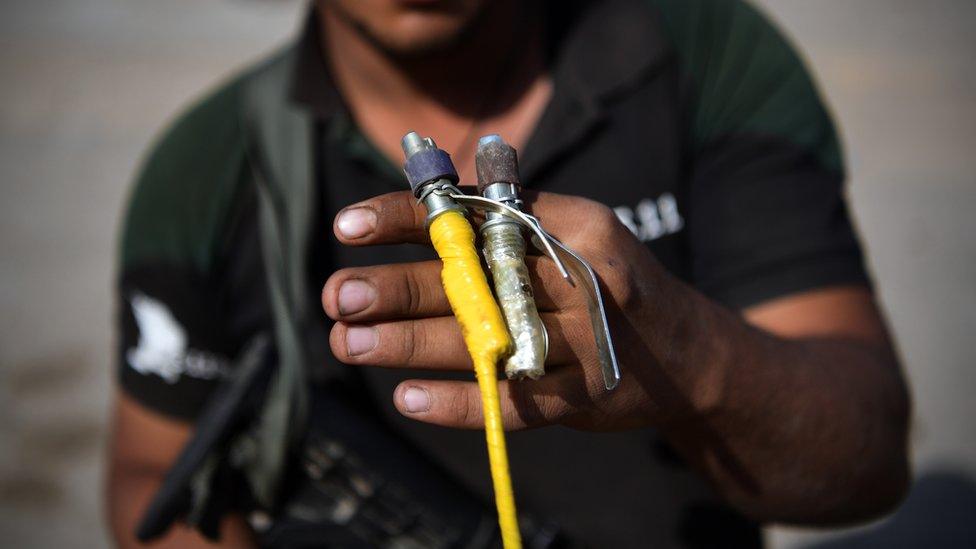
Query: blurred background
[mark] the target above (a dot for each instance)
(86, 84)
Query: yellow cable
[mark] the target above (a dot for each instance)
(488, 342)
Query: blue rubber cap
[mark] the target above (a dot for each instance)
(429, 165)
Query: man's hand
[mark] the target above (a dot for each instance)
(795, 408)
(397, 316)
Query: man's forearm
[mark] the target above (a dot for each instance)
(143, 446)
(805, 430)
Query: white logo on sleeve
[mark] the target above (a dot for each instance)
(162, 347)
(652, 219)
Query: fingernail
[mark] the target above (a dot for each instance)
(355, 296)
(360, 339)
(356, 223)
(416, 399)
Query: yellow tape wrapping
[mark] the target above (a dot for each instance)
(488, 342)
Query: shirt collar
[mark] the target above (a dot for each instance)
(601, 48)
(600, 51)
(312, 86)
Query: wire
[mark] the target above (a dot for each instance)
(488, 342)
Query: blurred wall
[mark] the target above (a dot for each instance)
(85, 84)
(900, 77)
(84, 87)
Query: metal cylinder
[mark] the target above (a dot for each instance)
(505, 255)
(504, 248)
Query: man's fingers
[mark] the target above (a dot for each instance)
(413, 290)
(524, 404)
(430, 343)
(386, 292)
(433, 343)
(396, 217)
(390, 218)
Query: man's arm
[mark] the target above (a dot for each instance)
(810, 424)
(143, 446)
(797, 412)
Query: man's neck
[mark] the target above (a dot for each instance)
(488, 75)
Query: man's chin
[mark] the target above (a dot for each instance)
(408, 47)
(413, 31)
(417, 38)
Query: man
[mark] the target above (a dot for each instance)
(759, 382)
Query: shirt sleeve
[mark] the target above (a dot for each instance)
(174, 345)
(171, 351)
(767, 213)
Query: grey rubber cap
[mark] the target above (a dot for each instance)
(496, 162)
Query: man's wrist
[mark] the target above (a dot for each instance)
(696, 344)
